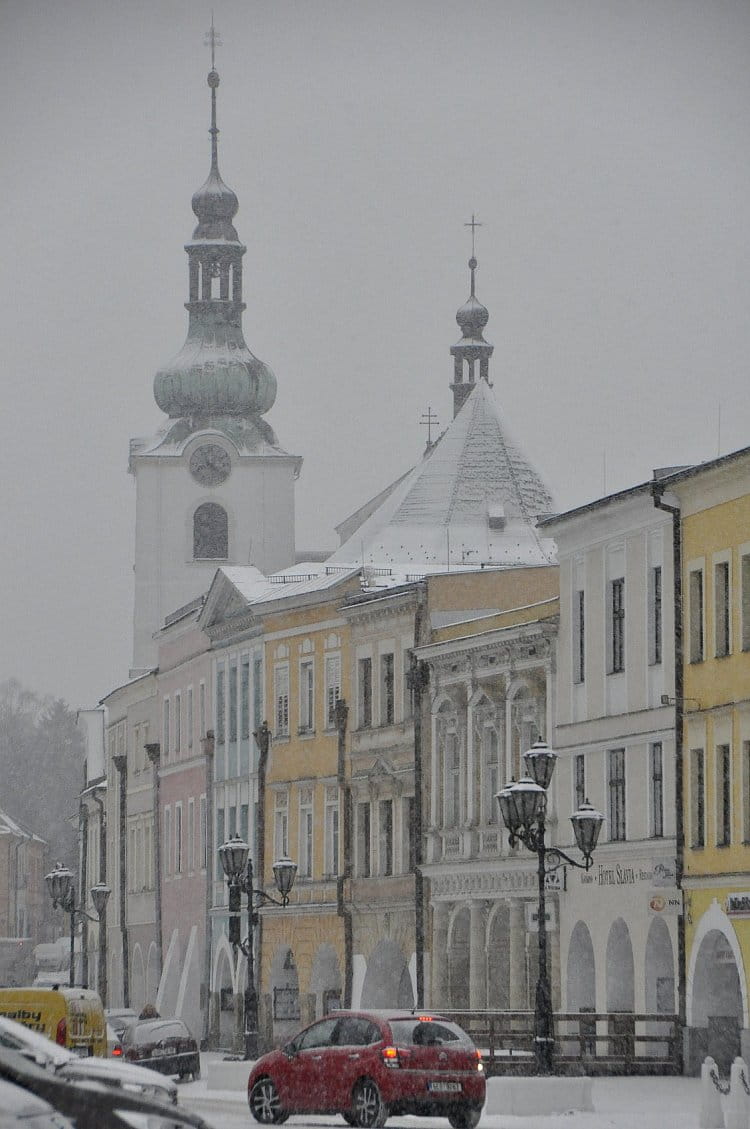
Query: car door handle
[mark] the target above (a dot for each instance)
(354, 1056)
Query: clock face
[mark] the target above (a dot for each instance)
(210, 464)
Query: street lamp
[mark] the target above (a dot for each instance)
(238, 867)
(523, 807)
(63, 893)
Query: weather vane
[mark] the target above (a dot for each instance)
(473, 225)
(213, 40)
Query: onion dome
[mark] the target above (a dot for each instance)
(214, 375)
(472, 317)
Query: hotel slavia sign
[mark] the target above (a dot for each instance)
(616, 873)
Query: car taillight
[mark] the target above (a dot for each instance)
(61, 1034)
(117, 1051)
(390, 1056)
(480, 1064)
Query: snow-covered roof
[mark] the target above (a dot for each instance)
(473, 499)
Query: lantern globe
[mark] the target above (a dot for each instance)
(507, 808)
(284, 873)
(234, 855)
(59, 884)
(540, 763)
(587, 823)
(100, 896)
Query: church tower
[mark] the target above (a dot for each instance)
(213, 486)
(472, 348)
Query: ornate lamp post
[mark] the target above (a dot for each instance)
(63, 893)
(523, 807)
(238, 867)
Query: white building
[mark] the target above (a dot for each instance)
(615, 736)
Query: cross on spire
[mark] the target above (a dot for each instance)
(212, 40)
(429, 420)
(473, 225)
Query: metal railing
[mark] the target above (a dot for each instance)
(585, 1042)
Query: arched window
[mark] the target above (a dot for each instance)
(210, 532)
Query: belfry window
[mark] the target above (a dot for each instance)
(210, 532)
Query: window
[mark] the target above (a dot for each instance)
(386, 689)
(306, 697)
(616, 793)
(579, 636)
(245, 700)
(721, 608)
(210, 532)
(364, 692)
(178, 838)
(657, 790)
(490, 744)
(165, 728)
(167, 841)
(281, 695)
(220, 706)
(281, 825)
(654, 616)
(452, 779)
(745, 581)
(148, 852)
(697, 798)
(408, 814)
(189, 719)
(363, 839)
(332, 831)
(233, 703)
(202, 709)
(220, 839)
(408, 688)
(696, 615)
(202, 834)
(305, 833)
(386, 837)
(244, 824)
(191, 836)
(579, 779)
(746, 792)
(333, 688)
(177, 723)
(617, 625)
(723, 797)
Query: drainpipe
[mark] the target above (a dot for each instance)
(419, 680)
(342, 909)
(153, 752)
(263, 737)
(83, 849)
(207, 747)
(121, 764)
(102, 969)
(657, 490)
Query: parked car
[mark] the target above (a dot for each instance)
(74, 1068)
(370, 1065)
(114, 1046)
(87, 1104)
(162, 1044)
(24, 1110)
(119, 1018)
(72, 1017)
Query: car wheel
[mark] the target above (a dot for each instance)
(264, 1103)
(349, 1118)
(368, 1110)
(464, 1117)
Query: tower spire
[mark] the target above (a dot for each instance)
(472, 317)
(213, 40)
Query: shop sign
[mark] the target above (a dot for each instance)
(636, 873)
(555, 880)
(665, 902)
(738, 905)
(532, 917)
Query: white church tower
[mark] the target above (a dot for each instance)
(213, 486)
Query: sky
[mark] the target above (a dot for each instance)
(603, 147)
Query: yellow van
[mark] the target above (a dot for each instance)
(72, 1017)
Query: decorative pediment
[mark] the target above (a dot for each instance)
(226, 610)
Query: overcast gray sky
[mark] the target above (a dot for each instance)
(602, 145)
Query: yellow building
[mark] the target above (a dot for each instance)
(305, 950)
(714, 507)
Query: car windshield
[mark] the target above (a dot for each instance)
(428, 1033)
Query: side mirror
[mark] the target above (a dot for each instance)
(290, 1050)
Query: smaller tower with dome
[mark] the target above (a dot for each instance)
(472, 317)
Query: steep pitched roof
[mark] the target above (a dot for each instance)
(474, 498)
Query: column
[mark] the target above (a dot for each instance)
(477, 957)
(517, 931)
(440, 916)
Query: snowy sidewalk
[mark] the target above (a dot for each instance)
(619, 1103)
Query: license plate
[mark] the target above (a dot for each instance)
(82, 1052)
(444, 1087)
(158, 1052)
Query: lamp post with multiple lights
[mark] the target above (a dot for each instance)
(62, 890)
(238, 867)
(523, 806)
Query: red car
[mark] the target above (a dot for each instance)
(370, 1065)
